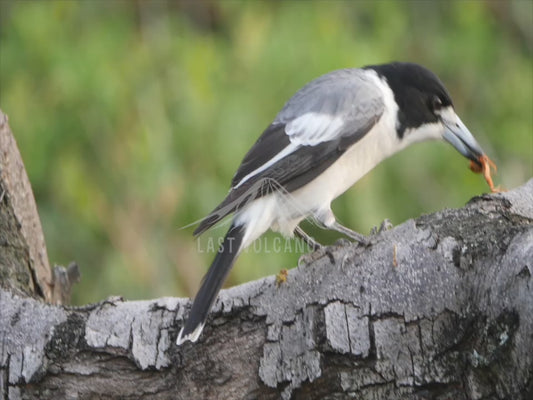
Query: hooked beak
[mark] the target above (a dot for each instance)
(457, 134)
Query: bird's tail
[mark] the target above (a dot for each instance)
(227, 253)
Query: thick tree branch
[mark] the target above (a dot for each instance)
(438, 307)
(23, 259)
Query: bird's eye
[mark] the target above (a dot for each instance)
(436, 103)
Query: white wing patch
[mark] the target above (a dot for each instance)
(313, 128)
(309, 129)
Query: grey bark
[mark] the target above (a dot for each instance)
(440, 307)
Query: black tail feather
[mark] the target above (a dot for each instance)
(211, 284)
(234, 201)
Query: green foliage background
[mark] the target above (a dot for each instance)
(132, 117)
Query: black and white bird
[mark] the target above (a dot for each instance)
(326, 137)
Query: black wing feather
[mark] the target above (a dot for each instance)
(290, 173)
(270, 143)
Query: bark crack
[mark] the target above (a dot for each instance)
(130, 339)
(5, 375)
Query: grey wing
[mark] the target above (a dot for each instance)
(334, 105)
(314, 128)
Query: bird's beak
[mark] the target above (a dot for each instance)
(458, 135)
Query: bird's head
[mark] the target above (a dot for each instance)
(425, 108)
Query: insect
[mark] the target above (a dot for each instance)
(485, 166)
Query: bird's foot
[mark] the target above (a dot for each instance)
(342, 242)
(384, 226)
(361, 240)
(308, 258)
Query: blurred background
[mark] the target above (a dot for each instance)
(132, 116)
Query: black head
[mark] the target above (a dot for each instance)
(425, 108)
(418, 92)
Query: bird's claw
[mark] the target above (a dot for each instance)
(342, 242)
(384, 226)
(309, 258)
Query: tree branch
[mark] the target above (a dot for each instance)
(438, 307)
(24, 264)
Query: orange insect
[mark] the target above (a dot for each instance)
(486, 165)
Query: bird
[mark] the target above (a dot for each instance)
(326, 137)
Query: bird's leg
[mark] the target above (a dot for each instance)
(327, 219)
(350, 233)
(312, 243)
(318, 249)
